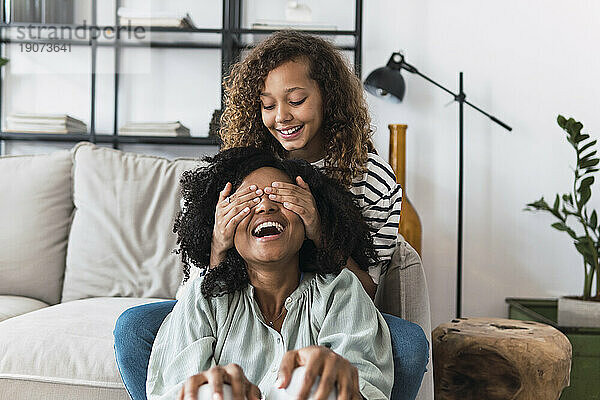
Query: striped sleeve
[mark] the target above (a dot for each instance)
(380, 199)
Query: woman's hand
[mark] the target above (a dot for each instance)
(232, 374)
(300, 200)
(320, 361)
(230, 211)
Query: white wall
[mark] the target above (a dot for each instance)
(524, 62)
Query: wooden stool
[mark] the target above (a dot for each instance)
(499, 359)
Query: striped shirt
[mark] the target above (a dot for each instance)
(379, 198)
(332, 311)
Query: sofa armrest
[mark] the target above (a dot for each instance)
(402, 291)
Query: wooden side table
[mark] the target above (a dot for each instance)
(499, 359)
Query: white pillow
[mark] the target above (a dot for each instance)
(121, 239)
(35, 215)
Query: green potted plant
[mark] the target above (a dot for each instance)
(574, 217)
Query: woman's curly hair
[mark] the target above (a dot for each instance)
(344, 232)
(346, 126)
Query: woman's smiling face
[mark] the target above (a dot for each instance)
(292, 110)
(271, 233)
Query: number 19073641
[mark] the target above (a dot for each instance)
(44, 48)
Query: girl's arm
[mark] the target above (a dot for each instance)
(364, 278)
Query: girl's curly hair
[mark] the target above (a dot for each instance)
(344, 232)
(346, 126)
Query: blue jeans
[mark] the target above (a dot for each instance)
(137, 327)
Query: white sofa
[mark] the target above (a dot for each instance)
(86, 234)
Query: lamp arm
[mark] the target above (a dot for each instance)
(496, 120)
(457, 97)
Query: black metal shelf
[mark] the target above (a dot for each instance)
(230, 43)
(107, 138)
(188, 140)
(115, 27)
(190, 44)
(324, 32)
(45, 137)
(152, 44)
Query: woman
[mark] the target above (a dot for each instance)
(274, 294)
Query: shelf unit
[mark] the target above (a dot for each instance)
(230, 45)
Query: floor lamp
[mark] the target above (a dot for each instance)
(387, 82)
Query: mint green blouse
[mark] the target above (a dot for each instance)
(332, 311)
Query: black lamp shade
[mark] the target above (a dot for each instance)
(386, 83)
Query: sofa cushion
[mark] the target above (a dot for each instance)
(64, 349)
(11, 306)
(35, 215)
(121, 241)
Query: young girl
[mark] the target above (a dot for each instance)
(295, 96)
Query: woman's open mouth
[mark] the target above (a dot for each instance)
(269, 230)
(291, 133)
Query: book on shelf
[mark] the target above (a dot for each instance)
(159, 19)
(172, 129)
(44, 123)
(281, 25)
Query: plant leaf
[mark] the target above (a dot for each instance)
(588, 181)
(574, 128)
(556, 204)
(587, 145)
(589, 155)
(589, 163)
(561, 226)
(586, 193)
(562, 121)
(569, 125)
(585, 251)
(594, 220)
(539, 205)
(585, 246)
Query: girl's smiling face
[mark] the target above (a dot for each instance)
(292, 110)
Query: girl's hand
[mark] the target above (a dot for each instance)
(300, 200)
(230, 211)
(333, 369)
(232, 374)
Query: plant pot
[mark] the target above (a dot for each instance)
(585, 341)
(581, 313)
